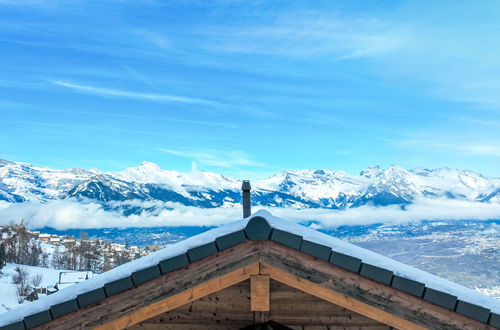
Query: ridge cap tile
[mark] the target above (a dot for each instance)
(258, 228)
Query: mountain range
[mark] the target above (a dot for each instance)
(464, 251)
(21, 182)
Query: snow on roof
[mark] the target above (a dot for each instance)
(336, 244)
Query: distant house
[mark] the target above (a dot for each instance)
(261, 273)
(44, 237)
(67, 279)
(55, 240)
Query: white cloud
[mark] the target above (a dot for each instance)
(214, 157)
(308, 34)
(69, 213)
(423, 209)
(134, 95)
(470, 148)
(155, 38)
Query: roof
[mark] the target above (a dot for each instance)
(260, 226)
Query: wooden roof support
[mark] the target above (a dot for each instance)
(338, 298)
(278, 262)
(381, 298)
(182, 298)
(259, 293)
(210, 271)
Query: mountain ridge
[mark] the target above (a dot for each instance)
(322, 188)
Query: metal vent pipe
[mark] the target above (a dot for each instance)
(247, 208)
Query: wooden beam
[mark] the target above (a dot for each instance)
(259, 293)
(204, 276)
(167, 285)
(357, 287)
(261, 317)
(182, 298)
(338, 298)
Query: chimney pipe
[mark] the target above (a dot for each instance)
(247, 208)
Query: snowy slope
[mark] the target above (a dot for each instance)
(28, 182)
(21, 182)
(8, 298)
(195, 180)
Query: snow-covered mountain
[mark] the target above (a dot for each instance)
(20, 182)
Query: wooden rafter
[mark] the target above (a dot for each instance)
(182, 298)
(294, 268)
(259, 293)
(362, 289)
(337, 298)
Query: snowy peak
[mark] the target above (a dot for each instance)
(151, 173)
(21, 182)
(381, 186)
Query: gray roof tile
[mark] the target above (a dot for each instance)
(376, 273)
(14, 326)
(90, 297)
(201, 251)
(288, 239)
(230, 240)
(37, 319)
(118, 286)
(473, 311)
(409, 286)
(146, 274)
(173, 263)
(64, 308)
(345, 261)
(494, 320)
(316, 250)
(440, 298)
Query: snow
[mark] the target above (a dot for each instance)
(8, 297)
(195, 180)
(34, 183)
(338, 245)
(321, 184)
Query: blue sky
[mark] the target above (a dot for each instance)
(249, 88)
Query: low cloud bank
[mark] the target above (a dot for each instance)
(70, 213)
